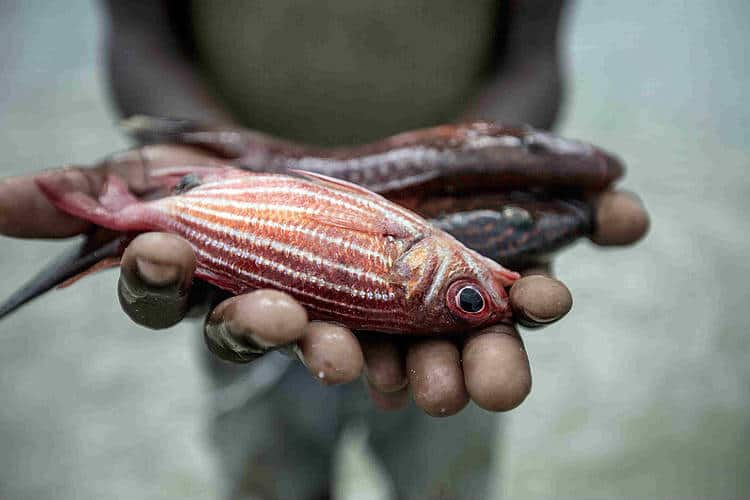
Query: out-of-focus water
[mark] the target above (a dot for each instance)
(641, 392)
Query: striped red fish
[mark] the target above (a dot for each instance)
(347, 254)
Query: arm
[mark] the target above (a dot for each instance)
(491, 367)
(149, 69)
(526, 85)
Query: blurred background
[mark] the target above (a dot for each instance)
(642, 391)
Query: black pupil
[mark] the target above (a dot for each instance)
(470, 300)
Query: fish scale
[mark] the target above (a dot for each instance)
(228, 219)
(345, 253)
(465, 177)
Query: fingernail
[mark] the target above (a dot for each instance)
(241, 331)
(155, 274)
(226, 344)
(538, 301)
(534, 319)
(529, 321)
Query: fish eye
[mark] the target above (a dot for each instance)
(470, 300)
(467, 301)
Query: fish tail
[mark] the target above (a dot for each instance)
(116, 208)
(85, 258)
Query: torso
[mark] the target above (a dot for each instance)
(345, 71)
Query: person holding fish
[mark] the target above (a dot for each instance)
(169, 60)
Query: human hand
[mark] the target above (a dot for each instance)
(441, 375)
(490, 367)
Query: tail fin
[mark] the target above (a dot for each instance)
(76, 262)
(116, 207)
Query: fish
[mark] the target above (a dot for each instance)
(514, 193)
(346, 253)
(522, 229)
(462, 157)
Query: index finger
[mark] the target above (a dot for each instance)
(538, 299)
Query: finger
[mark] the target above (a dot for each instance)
(26, 213)
(244, 327)
(620, 219)
(538, 300)
(388, 401)
(156, 274)
(384, 363)
(134, 165)
(435, 377)
(331, 353)
(496, 368)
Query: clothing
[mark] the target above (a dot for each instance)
(333, 73)
(279, 443)
(343, 71)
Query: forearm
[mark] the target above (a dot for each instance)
(527, 85)
(148, 71)
(530, 94)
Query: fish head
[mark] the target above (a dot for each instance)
(592, 159)
(448, 288)
(556, 160)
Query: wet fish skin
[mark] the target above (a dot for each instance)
(347, 254)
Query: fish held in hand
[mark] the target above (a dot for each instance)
(347, 254)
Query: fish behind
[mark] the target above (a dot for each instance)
(345, 253)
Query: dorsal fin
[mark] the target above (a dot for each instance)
(383, 226)
(339, 184)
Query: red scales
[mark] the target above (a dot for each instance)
(347, 254)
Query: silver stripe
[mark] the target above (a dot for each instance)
(241, 205)
(281, 286)
(261, 221)
(356, 203)
(279, 267)
(278, 246)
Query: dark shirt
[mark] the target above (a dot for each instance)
(345, 71)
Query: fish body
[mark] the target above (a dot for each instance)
(464, 157)
(347, 254)
(513, 193)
